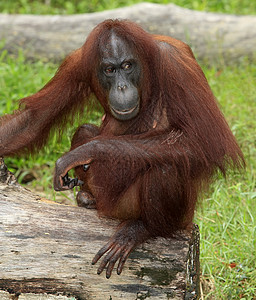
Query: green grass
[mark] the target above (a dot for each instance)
(227, 218)
(83, 6)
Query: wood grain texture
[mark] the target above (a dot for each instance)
(47, 248)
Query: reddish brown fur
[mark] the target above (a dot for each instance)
(168, 152)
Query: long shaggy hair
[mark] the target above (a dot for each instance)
(172, 148)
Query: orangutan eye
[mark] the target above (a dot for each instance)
(109, 70)
(126, 66)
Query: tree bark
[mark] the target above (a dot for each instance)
(215, 38)
(47, 248)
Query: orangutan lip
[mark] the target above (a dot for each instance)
(124, 112)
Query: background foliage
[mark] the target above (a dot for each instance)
(226, 216)
(83, 6)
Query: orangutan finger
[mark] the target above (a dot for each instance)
(101, 252)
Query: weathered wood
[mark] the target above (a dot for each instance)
(47, 248)
(213, 36)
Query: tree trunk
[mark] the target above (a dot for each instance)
(46, 248)
(213, 37)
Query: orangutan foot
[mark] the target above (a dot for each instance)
(86, 200)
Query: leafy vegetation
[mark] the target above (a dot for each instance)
(85, 6)
(226, 217)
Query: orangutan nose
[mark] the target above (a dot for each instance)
(121, 86)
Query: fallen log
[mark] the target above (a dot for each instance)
(46, 251)
(214, 37)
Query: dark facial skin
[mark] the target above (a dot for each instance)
(119, 74)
